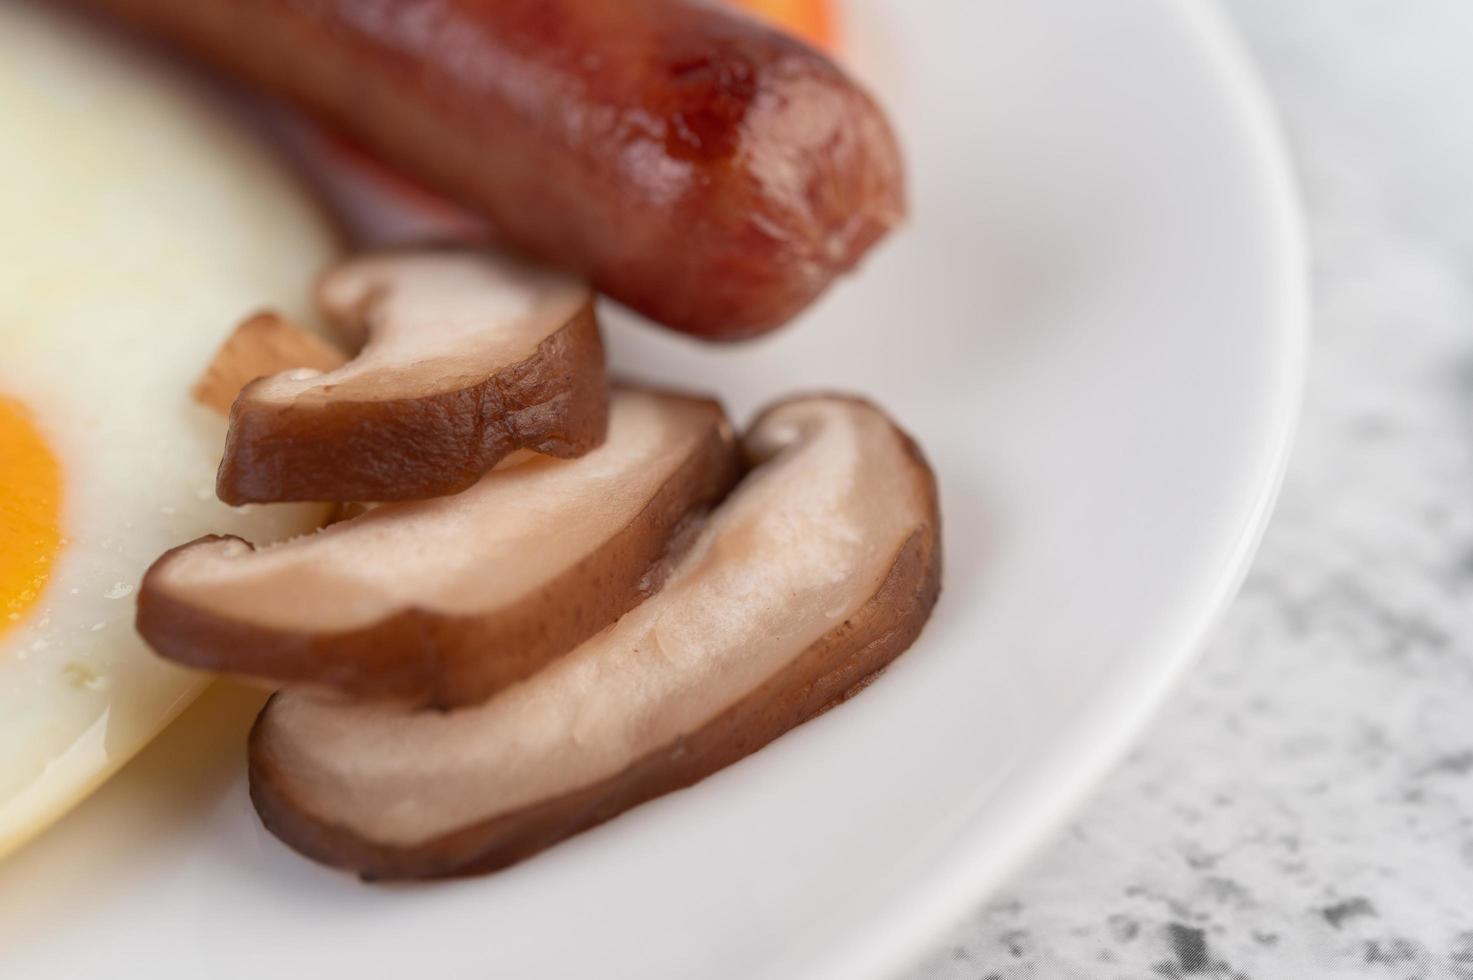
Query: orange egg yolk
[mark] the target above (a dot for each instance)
(30, 512)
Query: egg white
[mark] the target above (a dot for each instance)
(140, 223)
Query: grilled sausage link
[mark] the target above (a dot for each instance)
(704, 169)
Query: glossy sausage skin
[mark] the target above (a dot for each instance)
(702, 168)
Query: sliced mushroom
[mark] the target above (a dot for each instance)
(261, 344)
(817, 571)
(444, 601)
(465, 356)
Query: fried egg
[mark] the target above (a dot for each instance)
(138, 223)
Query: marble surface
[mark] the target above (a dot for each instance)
(1303, 809)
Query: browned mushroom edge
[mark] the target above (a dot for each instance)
(262, 344)
(210, 604)
(406, 427)
(827, 671)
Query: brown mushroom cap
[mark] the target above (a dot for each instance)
(444, 601)
(817, 571)
(466, 355)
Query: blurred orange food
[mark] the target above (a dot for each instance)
(812, 20)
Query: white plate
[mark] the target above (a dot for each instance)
(1094, 323)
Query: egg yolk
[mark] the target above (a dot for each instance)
(30, 512)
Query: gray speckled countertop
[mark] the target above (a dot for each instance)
(1303, 810)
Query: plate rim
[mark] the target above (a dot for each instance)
(899, 930)
(940, 899)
